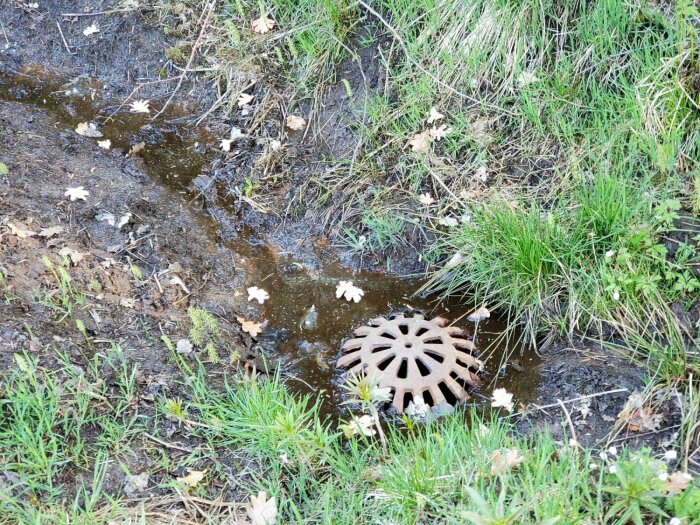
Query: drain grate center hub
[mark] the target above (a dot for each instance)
(414, 357)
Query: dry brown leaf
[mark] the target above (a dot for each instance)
(20, 231)
(678, 482)
(420, 143)
(296, 123)
(500, 464)
(74, 255)
(262, 511)
(434, 115)
(250, 327)
(263, 24)
(50, 231)
(438, 133)
(136, 148)
(88, 129)
(193, 478)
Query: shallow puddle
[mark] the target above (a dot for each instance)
(173, 157)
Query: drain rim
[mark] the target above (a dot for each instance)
(383, 340)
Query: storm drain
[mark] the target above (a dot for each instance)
(414, 357)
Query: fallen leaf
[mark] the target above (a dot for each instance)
(438, 133)
(480, 174)
(448, 221)
(88, 129)
(193, 478)
(263, 24)
(262, 511)
(183, 347)
(176, 281)
(257, 294)
(349, 291)
(678, 482)
(74, 255)
(434, 116)
(296, 123)
(244, 99)
(526, 78)
(456, 259)
(479, 314)
(420, 143)
(91, 29)
(105, 144)
(140, 106)
(128, 303)
(76, 193)
(106, 216)
(501, 398)
(136, 484)
(136, 148)
(360, 425)
(500, 464)
(426, 199)
(250, 327)
(20, 232)
(51, 231)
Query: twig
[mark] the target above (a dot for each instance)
(572, 400)
(568, 420)
(98, 13)
(181, 77)
(169, 445)
(63, 38)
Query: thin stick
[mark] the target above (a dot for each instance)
(572, 400)
(195, 47)
(169, 445)
(98, 13)
(568, 420)
(63, 38)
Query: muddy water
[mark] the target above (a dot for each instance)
(174, 157)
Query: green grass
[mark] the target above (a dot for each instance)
(61, 424)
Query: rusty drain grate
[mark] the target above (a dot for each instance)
(414, 357)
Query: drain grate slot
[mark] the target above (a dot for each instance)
(414, 356)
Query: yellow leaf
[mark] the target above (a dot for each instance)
(193, 478)
(263, 24)
(296, 123)
(250, 327)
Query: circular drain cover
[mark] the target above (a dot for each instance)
(414, 357)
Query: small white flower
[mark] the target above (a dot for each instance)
(674, 521)
(502, 398)
(380, 395)
(257, 294)
(612, 451)
(609, 254)
(663, 476)
(616, 296)
(670, 455)
(612, 469)
(603, 456)
(574, 443)
(593, 466)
